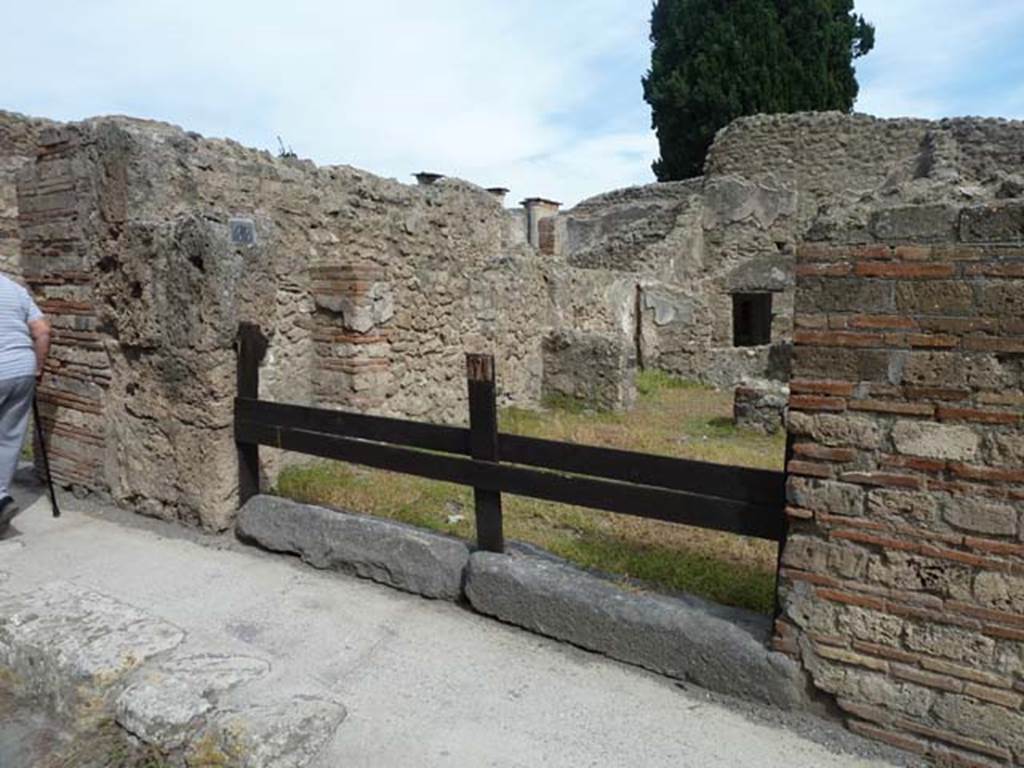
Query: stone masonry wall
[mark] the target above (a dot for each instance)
(768, 180)
(148, 245)
(902, 580)
(685, 247)
(19, 137)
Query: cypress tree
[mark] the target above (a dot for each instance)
(716, 60)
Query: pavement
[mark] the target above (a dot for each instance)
(398, 680)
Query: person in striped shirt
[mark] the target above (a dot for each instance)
(24, 344)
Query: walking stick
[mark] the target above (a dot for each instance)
(46, 459)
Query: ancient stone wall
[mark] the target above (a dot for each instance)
(675, 243)
(19, 137)
(588, 370)
(831, 158)
(696, 244)
(148, 246)
(902, 581)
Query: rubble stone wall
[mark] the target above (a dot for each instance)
(902, 579)
(822, 154)
(148, 245)
(768, 178)
(589, 370)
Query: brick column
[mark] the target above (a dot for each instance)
(57, 202)
(902, 582)
(540, 223)
(352, 341)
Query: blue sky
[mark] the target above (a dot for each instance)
(540, 96)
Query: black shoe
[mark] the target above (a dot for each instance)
(8, 511)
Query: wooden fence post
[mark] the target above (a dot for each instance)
(250, 345)
(483, 445)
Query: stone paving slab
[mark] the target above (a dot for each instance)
(373, 676)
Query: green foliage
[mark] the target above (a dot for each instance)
(677, 570)
(560, 402)
(716, 60)
(650, 381)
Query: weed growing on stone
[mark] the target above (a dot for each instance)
(671, 417)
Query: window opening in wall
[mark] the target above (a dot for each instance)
(751, 319)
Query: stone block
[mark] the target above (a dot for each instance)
(952, 369)
(719, 648)
(936, 441)
(732, 199)
(953, 643)
(983, 721)
(994, 222)
(843, 363)
(593, 370)
(1001, 592)
(828, 496)
(979, 515)
(765, 273)
(1006, 449)
(935, 297)
(871, 626)
(760, 405)
(844, 295)
(166, 705)
(809, 553)
(401, 556)
(287, 734)
(919, 223)
(906, 506)
(1002, 298)
(839, 430)
(809, 613)
(908, 572)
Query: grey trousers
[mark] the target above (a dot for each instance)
(15, 406)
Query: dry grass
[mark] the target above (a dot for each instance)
(672, 418)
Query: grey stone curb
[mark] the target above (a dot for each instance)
(385, 551)
(719, 648)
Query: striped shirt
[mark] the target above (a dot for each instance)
(17, 354)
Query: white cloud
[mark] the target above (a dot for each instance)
(484, 89)
(540, 96)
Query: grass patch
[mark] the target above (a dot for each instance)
(557, 401)
(672, 417)
(650, 381)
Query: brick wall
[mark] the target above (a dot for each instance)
(55, 198)
(902, 581)
(19, 136)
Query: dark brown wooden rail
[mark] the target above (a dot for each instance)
(736, 499)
